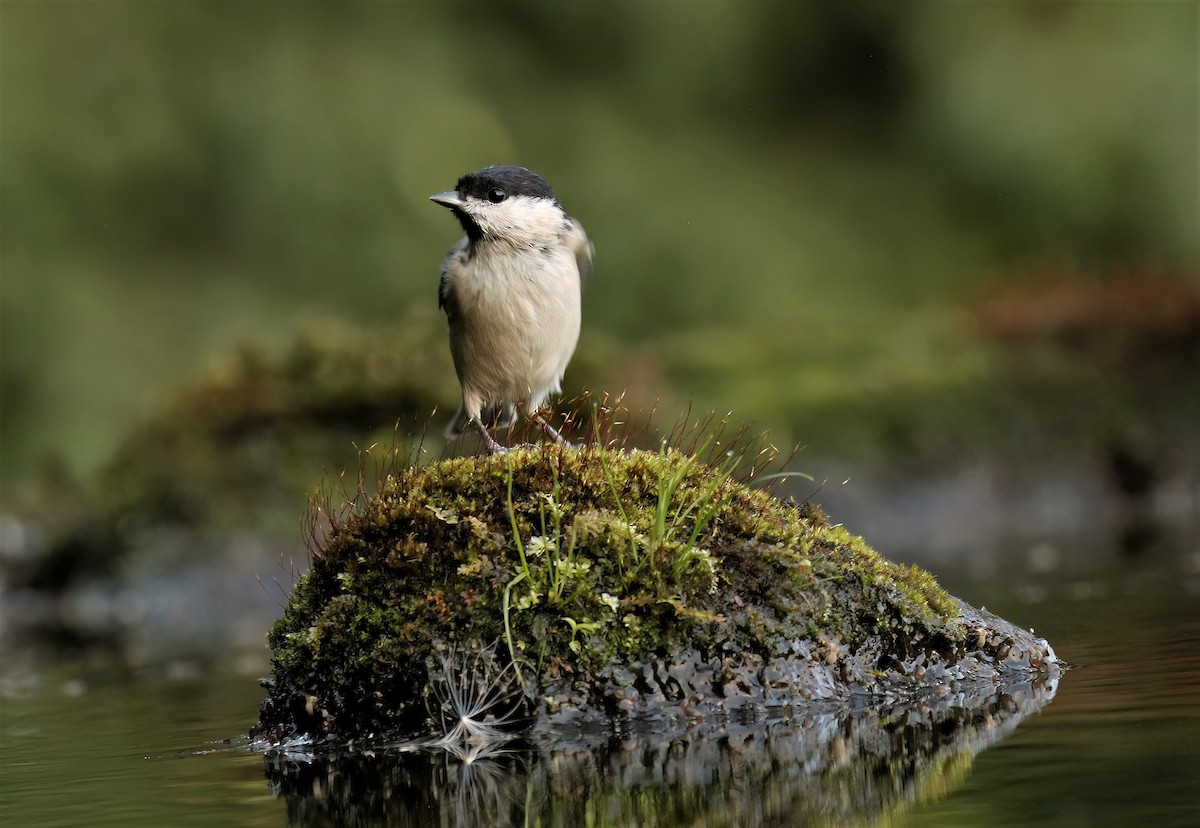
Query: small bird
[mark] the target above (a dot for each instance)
(511, 292)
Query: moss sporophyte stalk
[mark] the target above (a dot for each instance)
(588, 576)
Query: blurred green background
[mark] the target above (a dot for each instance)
(796, 207)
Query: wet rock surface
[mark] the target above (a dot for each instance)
(994, 655)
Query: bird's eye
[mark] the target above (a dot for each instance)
(496, 195)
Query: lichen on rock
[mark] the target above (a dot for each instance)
(601, 583)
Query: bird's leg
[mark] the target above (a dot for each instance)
(488, 441)
(550, 431)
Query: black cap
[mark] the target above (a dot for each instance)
(514, 181)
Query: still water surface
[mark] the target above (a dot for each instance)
(88, 739)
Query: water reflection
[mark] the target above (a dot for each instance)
(793, 767)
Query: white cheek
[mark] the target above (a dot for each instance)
(522, 220)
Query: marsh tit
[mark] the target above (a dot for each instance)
(511, 292)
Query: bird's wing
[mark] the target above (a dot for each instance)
(583, 248)
(455, 255)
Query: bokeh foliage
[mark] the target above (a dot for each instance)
(783, 195)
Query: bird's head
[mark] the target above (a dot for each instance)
(505, 204)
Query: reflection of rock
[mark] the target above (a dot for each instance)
(789, 766)
(614, 583)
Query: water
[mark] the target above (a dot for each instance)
(105, 736)
(1117, 746)
(92, 744)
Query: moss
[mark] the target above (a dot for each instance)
(577, 561)
(251, 427)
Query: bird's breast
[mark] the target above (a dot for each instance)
(531, 288)
(517, 321)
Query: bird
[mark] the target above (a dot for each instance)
(511, 291)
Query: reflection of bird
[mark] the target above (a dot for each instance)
(511, 291)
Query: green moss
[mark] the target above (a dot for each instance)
(249, 430)
(577, 560)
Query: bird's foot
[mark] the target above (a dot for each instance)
(489, 442)
(549, 430)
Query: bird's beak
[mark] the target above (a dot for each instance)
(450, 199)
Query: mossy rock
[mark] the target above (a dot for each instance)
(250, 429)
(596, 583)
